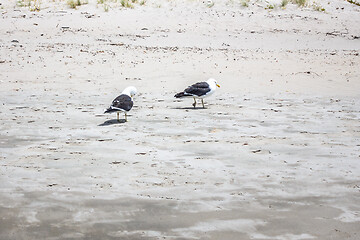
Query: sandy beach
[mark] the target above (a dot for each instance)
(274, 155)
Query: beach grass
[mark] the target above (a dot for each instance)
(318, 7)
(34, 5)
(354, 2)
(284, 3)
(245, 3)
(75, 3)
(300, 3)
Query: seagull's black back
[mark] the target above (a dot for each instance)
(123, 102)
(198, 89)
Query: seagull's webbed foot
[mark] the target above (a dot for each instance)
(194, 104)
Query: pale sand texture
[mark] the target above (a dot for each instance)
(276, 154)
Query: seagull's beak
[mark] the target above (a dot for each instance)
(217, 85)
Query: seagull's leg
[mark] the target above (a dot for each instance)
(125, 117)
(202, 101)
(118, 117)
(194, 104)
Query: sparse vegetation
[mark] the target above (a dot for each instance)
(107, 4)
(354, 2)
(75, 3)
(284, 3)
(300, 3)
(34, 5)
(318, 7)
(304, 3)
(127, 3)
(270, 6)
(106, 7)
(23, 3)
(245, 3)
(210, 3)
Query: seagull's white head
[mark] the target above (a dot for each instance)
(130, 91)
(213, 82)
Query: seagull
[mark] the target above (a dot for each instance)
(123, 103)
(199, 90)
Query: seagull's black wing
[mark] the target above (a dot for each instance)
(122, 102)
(198, 89)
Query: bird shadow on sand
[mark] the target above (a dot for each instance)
(189, 108)
(112, 122)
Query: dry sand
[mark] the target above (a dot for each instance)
(275, 155)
